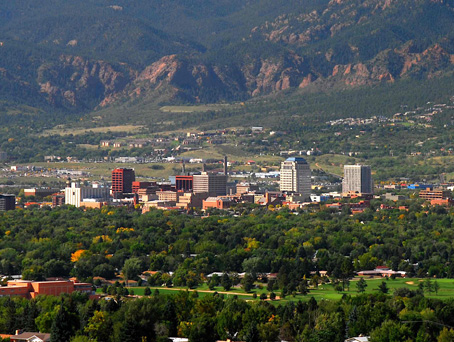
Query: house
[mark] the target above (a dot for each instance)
(358, 339)
(31, 337)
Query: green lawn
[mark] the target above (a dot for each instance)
(323, 292)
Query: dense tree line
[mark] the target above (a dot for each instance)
(405, 316)
(65, 241)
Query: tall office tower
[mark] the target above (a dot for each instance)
(357, 178)
(213, 184)
(7, 202)
(296, 176)
(122, 181)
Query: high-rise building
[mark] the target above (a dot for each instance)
(7, 202)
(122, 181)
(357, 178)
(213, 184)
(296, 176)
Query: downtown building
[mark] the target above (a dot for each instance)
(296, 177)
(357, 179)
(212, 184)
(86, 196)
(7, 202)
(122, 180)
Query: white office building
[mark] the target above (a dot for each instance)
(76, 194)
(357, 178)
(296, 177)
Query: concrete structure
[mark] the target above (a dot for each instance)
(213, 184)
(7, 202)
(357, 178)
(122, 180)
(76, 194)
(296, 177)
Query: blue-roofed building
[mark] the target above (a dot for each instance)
(296, 177)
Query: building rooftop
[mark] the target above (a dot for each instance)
(297, 159)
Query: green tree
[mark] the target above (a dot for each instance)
(99, 327)
(428, 285)
(132, 268)
(391, 331)
(247, 282)
(436, 287)
(61, 329)
(446, 335)
(226, 282)
(203, 329)
(383, 287)
(361, 285)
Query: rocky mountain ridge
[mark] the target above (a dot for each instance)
(342, 44)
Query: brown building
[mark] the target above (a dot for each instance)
(447, 202)
(141, 185)
(31, 289)
(58, 199)
(435, 194)
(184, 183)
(122, 180)
(217, 202)
(243, 188)
(40, 192)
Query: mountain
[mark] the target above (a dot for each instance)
(88, 56)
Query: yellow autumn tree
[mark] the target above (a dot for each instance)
(77, 255)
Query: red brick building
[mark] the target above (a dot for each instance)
(122, 180)
(31, 289)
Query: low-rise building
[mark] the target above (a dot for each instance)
(435, 194)
(76, 194)
(30, 337)
(217, 202)
(32, 289)
(42, 192)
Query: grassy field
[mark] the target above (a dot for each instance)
(323, 292)
(62, 130)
